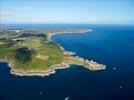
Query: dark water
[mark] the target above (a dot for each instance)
(112, 45)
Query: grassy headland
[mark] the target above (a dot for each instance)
(33, 53)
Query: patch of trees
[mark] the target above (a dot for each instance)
(25, 35)
(30, 35)
(23, 54)
(9, 43)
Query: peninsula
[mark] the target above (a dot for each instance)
(31, 52)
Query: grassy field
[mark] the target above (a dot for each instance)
(43, 55)
(1, 43)
(53, 53)
(33, 43)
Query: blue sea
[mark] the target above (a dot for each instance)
(112, 45)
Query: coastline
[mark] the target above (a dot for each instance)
(42, 73)
(49, 35)
(50, 71)
(90, 65)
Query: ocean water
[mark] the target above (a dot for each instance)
(112, 45)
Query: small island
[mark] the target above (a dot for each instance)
(30, 52)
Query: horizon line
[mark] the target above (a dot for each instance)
(67, 23)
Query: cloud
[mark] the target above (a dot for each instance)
(24, 8)
(14, 11)
(5, 14)
(20, 8)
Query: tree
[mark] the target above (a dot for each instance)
(23, 54)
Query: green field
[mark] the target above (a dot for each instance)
(31, 53)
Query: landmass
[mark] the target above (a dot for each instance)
(31, 52)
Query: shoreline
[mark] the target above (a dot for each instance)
(72, 60)
(67, 32)
(51, 70)
(18, 72)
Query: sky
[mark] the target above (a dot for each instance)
(67, 11)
